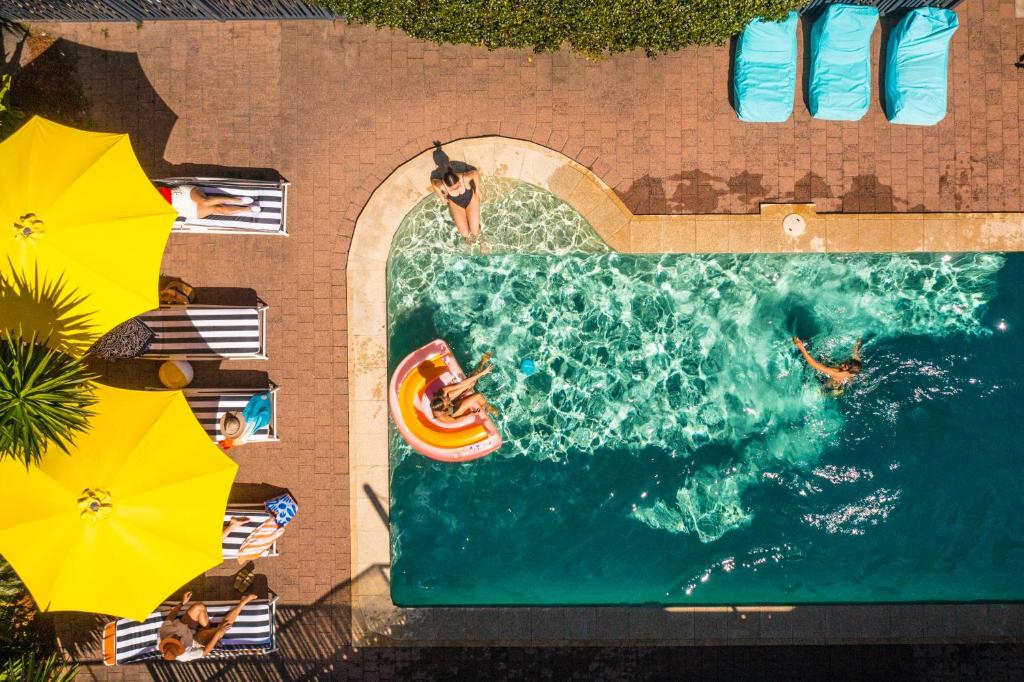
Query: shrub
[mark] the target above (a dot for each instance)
(593, 27)
(26, 646)
(45, 397)
(10, 118)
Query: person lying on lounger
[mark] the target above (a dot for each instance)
(459, 399)
(836, 378)
(191, 637)
(191, 202)
(461, 192)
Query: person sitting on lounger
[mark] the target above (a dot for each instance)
(191, 202)
(461, 192)
(191, 637)
(836, 378)
(459, 399)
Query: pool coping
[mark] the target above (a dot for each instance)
(376, 620)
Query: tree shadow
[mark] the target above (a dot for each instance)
(12, 44)
(120, 98)
(46, 309)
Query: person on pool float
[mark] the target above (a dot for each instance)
(191, 637)
(459, 399)
(461, 192)
(836, 378)
(191, 202)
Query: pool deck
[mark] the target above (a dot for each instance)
(336, 109)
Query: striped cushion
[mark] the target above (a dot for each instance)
(253, 633)
(209, 408)
(229, 547)
(216, 331)
(269, 218)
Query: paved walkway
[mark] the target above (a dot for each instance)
(335, 108)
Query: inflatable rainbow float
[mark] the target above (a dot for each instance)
(415, 381)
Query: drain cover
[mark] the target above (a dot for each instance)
(794, 224)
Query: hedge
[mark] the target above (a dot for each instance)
(593, 27)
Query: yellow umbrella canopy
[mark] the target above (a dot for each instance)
(77, 209)
(132, 514)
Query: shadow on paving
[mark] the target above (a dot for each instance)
(49, 83)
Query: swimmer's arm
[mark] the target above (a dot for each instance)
(856, 350)
(836, 375)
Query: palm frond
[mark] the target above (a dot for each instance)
(45, 396)
(32, 667)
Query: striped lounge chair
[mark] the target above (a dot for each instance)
(210, 404)
(207, 332)
(257, 514)
(272, 196)
(254, 633)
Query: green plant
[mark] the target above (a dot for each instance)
(32, 667)
(10, 117)
(26, 647)
(45, 397)
(593, 27)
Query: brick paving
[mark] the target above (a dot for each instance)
(335, 108)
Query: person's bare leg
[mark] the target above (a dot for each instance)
(454, 390)
(223, 200)
(471, 403)
(232, 615)
(461, 222)
(197, 614)
(473, 216)
(224, 209)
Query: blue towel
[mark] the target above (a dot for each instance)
(256, 414)
(764, 74)
(840, 88)
(915, 66)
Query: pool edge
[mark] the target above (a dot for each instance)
(375, 618)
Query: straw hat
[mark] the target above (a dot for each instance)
(232, 425)
(171, 648)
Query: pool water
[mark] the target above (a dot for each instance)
(673, 448)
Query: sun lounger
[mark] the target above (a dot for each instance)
(210, 404)
(207, 332)
(272, 197)
(840, 87)
(257, 514)
(764, 76)
(254, 633)
(916, 66)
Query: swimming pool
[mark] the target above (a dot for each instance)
(673, 449)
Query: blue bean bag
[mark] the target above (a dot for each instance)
(764, 74)
(840, 88)
(915, 66)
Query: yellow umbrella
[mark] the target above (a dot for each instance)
(132, 514)
(76, 207)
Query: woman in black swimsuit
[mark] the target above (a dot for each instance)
(461, 191)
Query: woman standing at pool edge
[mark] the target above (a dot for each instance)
(461, 191)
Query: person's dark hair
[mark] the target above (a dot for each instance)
(450, 177)
(853, 366)
(437, 404)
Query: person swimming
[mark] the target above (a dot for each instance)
(835, 378)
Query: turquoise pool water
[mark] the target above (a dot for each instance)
(673, 448)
